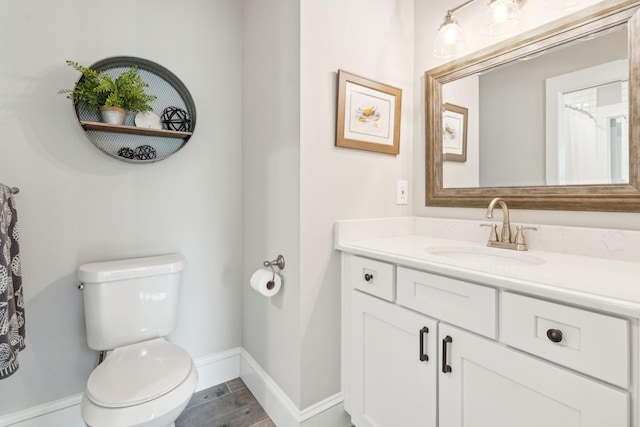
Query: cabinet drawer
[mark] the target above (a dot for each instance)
(589, 342)
(467, 305)
(373, 277)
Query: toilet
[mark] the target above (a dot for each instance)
(130, 306)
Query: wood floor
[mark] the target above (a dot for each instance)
(229, 404)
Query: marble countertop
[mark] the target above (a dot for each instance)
(597, 282)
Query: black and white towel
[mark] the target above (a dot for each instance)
(11, 297)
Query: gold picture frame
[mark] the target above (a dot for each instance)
(368, 114)
(454, 133)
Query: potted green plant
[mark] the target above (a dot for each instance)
(114, 98)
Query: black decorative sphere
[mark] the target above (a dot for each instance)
(174, 118)
(145, 152)
(126, 152)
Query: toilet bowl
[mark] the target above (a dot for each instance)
(146, 384)
(130, 306)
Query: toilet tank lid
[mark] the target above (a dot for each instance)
(107, 271)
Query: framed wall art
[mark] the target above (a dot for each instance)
(368, 114)
(454, 133)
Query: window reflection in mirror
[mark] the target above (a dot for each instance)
(559, 118)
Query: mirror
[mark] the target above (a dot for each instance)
(544, 119)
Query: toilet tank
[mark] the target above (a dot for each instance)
(130, 300)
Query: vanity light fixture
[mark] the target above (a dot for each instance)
(450, 40)
(502, 18)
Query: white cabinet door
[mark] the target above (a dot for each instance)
(393, 365)
(490, 384)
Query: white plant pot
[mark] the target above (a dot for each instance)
(113, 115)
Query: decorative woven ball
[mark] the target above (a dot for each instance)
(126, 152)
(174, 118)
(145, 152)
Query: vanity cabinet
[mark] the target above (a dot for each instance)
(394, 360)
(468, 305)
(451, 353)
(489, 384)
(589, 342)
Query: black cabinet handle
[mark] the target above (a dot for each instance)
(555, 335)
(423, 356)
(368, 277)
(447, 340)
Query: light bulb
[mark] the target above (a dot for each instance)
(501, 18)
(450, 40)
(449, 34)
(500, 12)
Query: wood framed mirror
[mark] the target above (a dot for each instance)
(545, 172)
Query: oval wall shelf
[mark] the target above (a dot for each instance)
(123, 140)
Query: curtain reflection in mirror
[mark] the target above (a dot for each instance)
(593, 136)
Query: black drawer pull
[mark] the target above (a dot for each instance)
(423, 356)
(368, 277)
(445, 368)
(554, 335)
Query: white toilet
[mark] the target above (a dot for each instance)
(144, 380)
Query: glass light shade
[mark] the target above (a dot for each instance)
(501, 18)
(450, 41)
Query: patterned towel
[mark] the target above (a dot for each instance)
(11, 298)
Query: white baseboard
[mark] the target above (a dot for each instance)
(62, 412)
(218, 368)
(279, 406)
(212, 369)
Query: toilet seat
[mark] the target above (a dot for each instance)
(159, 412)
(138, 373)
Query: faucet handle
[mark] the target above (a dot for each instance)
(520, 234)
(493, 237)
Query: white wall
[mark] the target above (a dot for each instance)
(374, 39)
(296, 182)
(76, 204)
(466, 93)
(428, 17)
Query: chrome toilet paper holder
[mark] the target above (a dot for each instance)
(278, 262)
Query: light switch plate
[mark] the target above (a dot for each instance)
(402, 192)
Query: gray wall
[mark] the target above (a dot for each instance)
(271, 184)
(76, 204)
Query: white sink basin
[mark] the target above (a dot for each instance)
(482, 255)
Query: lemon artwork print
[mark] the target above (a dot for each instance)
(368, 114)
(449, 131)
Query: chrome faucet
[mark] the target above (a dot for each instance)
(504, 241)
(505, 235)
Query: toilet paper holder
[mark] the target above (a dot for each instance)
(278, 262)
